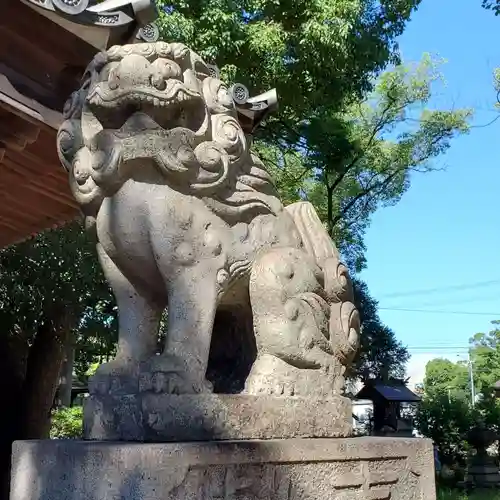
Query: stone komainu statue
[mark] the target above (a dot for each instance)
(188, 218)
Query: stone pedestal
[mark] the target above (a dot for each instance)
(482, 472)
(291, 469)
(208, 417)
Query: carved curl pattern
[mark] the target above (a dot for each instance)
(344, 321)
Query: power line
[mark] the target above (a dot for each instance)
(438, 346)
(466, 286)
(431, 350)
(453, 302)
(436, 311)
(442, 350)
(482, 125)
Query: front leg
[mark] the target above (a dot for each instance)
(191, 255)
(192, 302)
(138, 320)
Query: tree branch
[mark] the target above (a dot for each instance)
(381, 123)
(364, 193)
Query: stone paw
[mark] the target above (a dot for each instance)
(286, 388)
(118, 367)
(116, 376)
(177, 383)
(169, 375)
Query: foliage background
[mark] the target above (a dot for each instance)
(67, 423)
(446, 413)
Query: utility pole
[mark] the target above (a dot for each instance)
(471, 381)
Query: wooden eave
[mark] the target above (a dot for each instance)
(34, 189)
(98, 37)
(41, 63)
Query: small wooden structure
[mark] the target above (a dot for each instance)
(45, 46)
(387, 398)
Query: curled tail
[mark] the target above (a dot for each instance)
(314, 236)
(344, 317)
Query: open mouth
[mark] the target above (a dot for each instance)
(176, 106)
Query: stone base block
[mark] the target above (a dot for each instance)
(482, 472)
(291, 469)
(206, 417)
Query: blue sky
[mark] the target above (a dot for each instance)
(446, 230)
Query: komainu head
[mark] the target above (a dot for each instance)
(160, 105)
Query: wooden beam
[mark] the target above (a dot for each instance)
(96, 36)
(28, 109)
(42, 184)
(16, 133)
(31, 44)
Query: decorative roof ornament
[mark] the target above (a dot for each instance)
(107, 13)
(251, 110)
(149, 33)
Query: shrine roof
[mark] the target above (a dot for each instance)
(393, 390)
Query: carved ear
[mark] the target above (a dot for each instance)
(69, 141)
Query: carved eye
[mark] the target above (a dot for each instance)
(167, 69)
(106, 70)
(158, 81)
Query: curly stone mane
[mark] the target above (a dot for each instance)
(163, 98)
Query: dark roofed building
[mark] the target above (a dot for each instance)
(387, 398)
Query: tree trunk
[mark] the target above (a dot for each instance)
(13, 356)
(66, 376)
(31, 377)
(329, 212)
(45, 360)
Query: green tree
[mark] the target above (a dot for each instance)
(342, 138)
(447, 394)
(362, 158)
(493, 5)
(67, 423)
(380, 353)
(445, 414)
(443, 377)
(446, 420)
(485, 356)
(49, 288)
(314, 53)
